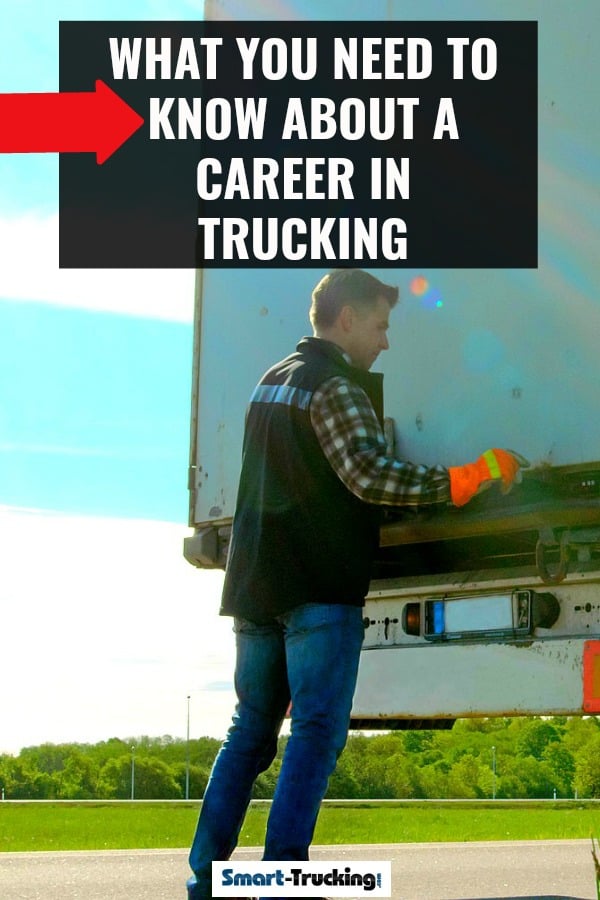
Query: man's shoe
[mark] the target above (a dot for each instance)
(194, 892)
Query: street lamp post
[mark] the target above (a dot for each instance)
(187, 753)
(132, 772)
(493, 773)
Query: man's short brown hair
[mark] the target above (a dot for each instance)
(347, 287)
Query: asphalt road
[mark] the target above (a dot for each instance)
(523, 870)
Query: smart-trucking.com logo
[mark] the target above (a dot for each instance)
(302, 879)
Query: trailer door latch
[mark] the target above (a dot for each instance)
(579, 540)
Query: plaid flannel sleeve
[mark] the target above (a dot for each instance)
(354, 444)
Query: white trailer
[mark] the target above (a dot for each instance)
(492, 609)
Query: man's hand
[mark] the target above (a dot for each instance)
(493, 465)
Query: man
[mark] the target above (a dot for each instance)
(314, 473)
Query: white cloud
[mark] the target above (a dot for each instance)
(105, 631)
(29, 271)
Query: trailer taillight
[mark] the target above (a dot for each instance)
(411, 619)
(489, 616)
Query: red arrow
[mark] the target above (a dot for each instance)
(91, 122)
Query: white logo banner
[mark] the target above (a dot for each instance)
(301, 878)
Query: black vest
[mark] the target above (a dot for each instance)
(299, 535)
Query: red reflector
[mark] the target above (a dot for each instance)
(591, 677)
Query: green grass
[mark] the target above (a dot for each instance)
(47, 826)
(456, 823)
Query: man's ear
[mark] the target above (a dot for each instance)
(346, 318)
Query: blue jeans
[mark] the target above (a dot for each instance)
(309, 656)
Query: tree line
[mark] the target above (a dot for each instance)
(513, 758)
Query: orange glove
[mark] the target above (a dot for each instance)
(493, 465)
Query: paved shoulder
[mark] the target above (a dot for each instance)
(520, 870)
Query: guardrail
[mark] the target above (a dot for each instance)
(563, 802)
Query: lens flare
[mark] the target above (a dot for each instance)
(431, 297)
(419, 285)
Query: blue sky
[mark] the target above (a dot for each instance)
(97, 601)
(95, 406)
(95, 418)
